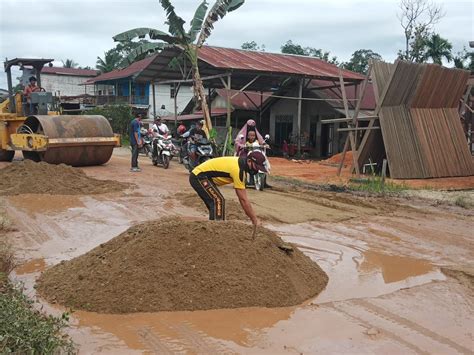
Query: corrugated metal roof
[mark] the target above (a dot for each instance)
(250, 100)
(132, 70)
(69, 71)
(368, 101)
(227, 58)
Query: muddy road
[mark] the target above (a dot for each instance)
(400, 271)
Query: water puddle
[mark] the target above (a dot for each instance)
(394, 268)
(45, 204)
(32, 266)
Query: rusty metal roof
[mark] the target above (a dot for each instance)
(278, 63)
(69, 71)
(130, 71)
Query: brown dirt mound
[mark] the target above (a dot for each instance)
(336, 159)
(43, 178)
(233, 210)
(174, 265)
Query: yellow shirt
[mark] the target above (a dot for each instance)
(222, 171)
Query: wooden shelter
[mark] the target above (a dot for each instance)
(418, 129)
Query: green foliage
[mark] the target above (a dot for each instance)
(464, 60)
(118, 115)
(375, 184)
(198, 19)
(438, 48)
(70, 63)
(464, 202)
(292, 48)
(253, 46)
(111, 61)
(359, 61)
(24, 330)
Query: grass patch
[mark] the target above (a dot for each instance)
(23, 329)
(464, 202)
(375, 184)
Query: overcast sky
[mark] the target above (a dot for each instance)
(83, 29)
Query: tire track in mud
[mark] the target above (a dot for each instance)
(184, 339)
(405, 331)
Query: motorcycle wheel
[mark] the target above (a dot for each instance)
(148, 151)
(166, 161)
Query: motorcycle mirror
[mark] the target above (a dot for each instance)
(267, 136)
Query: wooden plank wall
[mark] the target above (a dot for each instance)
(419, 120)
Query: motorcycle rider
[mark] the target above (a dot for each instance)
(226, 170)
(160, 127)
(195, 135)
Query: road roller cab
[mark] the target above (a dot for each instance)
(45, 136)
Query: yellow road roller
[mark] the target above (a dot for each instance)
(76, 140)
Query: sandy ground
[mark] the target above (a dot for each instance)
(387, 292)
(322, 173)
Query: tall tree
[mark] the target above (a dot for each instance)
(69, 63)
(438, 48)
(417, 18)
(293, 48)
(359, 61)
(253, 46)
(464, 60)
(111, 61)
(190, 41)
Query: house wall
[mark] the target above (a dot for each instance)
(163, 97)
(66, 85)
(323, 140)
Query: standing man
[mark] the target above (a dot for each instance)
(30, 88)
(226, 170)
(135, 141)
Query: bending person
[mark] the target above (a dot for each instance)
(226, 170)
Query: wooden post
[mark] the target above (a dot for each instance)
(154, 98)
(175, 106)
(384, 171)
(228, 136)
(300, 96)
(130, 91)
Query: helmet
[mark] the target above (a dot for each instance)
(201, 122)
(251, 123)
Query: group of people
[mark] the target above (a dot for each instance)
(206, 177)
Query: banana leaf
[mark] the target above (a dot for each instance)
(143, 32)
(219, 10)
(174, 22)
(141, 51)
(197, 21)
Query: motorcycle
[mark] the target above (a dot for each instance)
(260, 178)
(204, 152)
(162, 148)
(147, 138)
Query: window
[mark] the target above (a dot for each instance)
(172, 91)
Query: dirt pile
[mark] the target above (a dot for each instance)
(233, 210)
(336, 159)
(174, 265)
(43, 178)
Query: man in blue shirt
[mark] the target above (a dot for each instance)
(135, 141)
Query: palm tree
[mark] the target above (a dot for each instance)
(69, 63)
(438, 48)
(111, 61)
(189, 41)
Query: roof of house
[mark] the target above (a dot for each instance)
(368, 102)
(247, 100)
(131, 71)
(229, 58)
(69, 71)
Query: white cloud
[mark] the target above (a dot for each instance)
(83, 29)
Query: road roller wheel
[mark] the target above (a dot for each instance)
(35, 156)
(6, 155)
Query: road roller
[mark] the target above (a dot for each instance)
(76, 140)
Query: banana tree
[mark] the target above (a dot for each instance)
(189, 41)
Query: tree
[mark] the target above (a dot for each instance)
(438, 48)
(253, 46)
(189, 41)
(417, 18)
(464, 60)
(292, 48)
(359, 61)
(69, 63)
(111, 61)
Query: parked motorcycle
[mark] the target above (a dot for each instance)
(146, 148)
(204, 152)
(162, 148)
